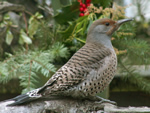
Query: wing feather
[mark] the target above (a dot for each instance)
(77, 68)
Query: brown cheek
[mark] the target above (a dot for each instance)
(111, 30)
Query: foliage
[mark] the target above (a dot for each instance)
(7, 23)
(68, 13)
(35, 63)
(29, 67)
(43, 43)
(130, 75)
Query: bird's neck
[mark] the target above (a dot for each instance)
(99, 38)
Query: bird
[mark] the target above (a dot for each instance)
(88, 72)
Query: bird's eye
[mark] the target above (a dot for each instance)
(107, 24)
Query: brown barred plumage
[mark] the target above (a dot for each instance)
(85, 67)
(89, 71)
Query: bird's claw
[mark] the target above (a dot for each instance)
(106, 101)
(102, 100)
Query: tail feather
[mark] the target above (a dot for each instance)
(24, 98)
(21, 99)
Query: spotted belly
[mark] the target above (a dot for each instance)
(96, 81)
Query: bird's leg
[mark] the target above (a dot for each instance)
(102, 100)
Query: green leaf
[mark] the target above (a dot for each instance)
(24, 38)
(85, 26)
(104, 3)
(38, 15)
(33, 27)
(56, 5)
(90, 23)
(67, 13)
(34, 24)
(83, 41)
(80, 22)
(59, 51)
(6, 16)
(21, 41)
(67, 33)
(9, 37)
(78, 28)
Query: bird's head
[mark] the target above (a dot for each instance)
(101, 30)
(106, 26)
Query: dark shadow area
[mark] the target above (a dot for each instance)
(125, 99)
(7, 96)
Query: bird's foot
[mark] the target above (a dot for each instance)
(101, 100)
(106, 101)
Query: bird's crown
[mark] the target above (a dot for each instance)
(106, 26)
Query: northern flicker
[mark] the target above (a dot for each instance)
(89, 70)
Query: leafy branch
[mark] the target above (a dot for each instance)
(135, 78)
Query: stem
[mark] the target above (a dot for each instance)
(26, 23)
(41, 65)
(124, 67)
(29, 13)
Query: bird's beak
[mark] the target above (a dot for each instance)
(117, 25)
(120, 22)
